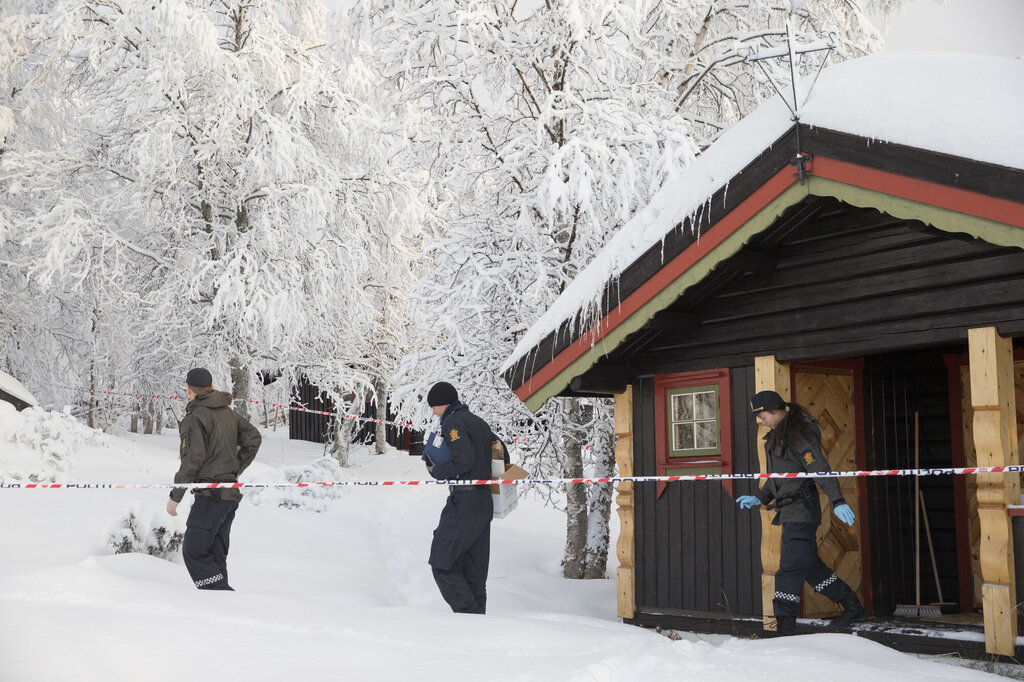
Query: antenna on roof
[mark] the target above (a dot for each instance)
(791, 49)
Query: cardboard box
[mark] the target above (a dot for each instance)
(505, 497)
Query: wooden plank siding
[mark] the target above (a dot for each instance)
(695, 550)
(843, 288)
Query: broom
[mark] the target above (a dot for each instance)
(917, 609)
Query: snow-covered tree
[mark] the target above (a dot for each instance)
(216, 165)
(546, 125)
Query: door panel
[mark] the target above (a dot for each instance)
(828, 396)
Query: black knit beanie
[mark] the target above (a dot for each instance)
(442, 393)
(199, 378)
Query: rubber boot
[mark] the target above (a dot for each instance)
(852, 613)
(785, 626)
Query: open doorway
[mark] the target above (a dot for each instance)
(896, 387)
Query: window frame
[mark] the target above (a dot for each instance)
(702, 461)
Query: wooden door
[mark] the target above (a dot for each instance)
(828, 394)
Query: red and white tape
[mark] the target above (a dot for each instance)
(956, 471)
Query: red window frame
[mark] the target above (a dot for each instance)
(666, 382)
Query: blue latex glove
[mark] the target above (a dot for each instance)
(748, 501)
(845, 514)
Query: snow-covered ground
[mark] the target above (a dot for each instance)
(343, 593)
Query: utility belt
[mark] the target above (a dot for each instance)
(462, 488)
(801, 494)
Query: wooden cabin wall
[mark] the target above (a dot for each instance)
(695, 549)
(306, 425)
(895, 386)
(846, 282)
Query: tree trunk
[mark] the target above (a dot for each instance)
(576, 497)
(91, 419)
(598, 535)
(148, 417)
(381, 432)
(240, 387)
(136, 408)
(344, 429)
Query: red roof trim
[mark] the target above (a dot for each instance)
(922, 191)
(732, 221)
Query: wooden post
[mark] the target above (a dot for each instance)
(995, 442)
(625, 549)
(769, 375)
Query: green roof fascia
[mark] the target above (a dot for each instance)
(948, 220)
(991, 231)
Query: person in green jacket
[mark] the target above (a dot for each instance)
(217, 444)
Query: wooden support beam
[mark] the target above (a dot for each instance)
(608, 379)
(995, 442)
(769, 375)
(625, 549)
(671, 321)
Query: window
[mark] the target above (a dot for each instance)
(693, 423)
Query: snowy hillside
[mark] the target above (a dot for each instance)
(343, 593)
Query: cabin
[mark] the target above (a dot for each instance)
(865, 259)
(313, 417)
(12, 391)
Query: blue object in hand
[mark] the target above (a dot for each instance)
(435, 450)
(748, 501)
(845, 514)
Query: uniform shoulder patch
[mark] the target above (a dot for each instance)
(808, 458)
(453, 434)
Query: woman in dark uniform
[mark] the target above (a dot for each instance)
(794, 445)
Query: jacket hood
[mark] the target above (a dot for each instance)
(212, 399)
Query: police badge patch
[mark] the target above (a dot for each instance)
(453, 435)
(808, 459)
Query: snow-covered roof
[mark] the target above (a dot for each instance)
(12, 386)
(968, 106)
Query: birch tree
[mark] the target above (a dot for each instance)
(236, 173)
(545, 127)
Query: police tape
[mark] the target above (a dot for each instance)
(941, 471)
(401, 425)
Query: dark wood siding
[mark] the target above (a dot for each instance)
(695, 550)
(847, 282)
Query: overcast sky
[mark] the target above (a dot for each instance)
(994, 27)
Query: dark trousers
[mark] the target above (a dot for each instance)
(207, 537)
(799, 563)
(461, 549)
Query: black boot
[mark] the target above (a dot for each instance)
(784, 626)
(852, 613)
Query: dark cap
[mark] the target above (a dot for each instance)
(765, 400)
(199, 377)
(442, 393)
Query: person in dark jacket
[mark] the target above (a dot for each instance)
(461, 548)
(217, 444)
(793, 444)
